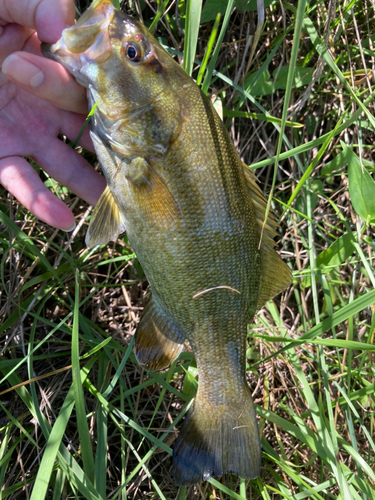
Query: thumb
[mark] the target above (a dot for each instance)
(45, 79)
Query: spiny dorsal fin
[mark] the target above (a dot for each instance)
(107, 222)
(158, 341)
(276, 275)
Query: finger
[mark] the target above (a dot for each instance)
(70, 169)
(48, 17)
(20, 179)
(12, 38)
(52, 17)
(45, 79)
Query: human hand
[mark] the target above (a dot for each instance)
(39, 100)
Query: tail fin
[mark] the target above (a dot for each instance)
(215, 440)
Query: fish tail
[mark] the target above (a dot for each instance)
(215, 440)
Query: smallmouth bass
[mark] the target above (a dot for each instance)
(193, 215)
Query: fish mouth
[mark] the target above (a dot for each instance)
(85, 42)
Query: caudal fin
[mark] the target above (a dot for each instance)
(215, 440)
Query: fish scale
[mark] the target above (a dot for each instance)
(193, 214)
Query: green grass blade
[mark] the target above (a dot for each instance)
(210, 45)
(83, 429)
(193, 15)
(315, 162)
(326, 56)
(337, 317)
(212, 63)
(59, 485)
(293, 60)
(162, 6)
(102, 431)
(258, 116)
(53, 443)
(311, 144)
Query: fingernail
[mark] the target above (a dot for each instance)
(70, 229)
(22, 71)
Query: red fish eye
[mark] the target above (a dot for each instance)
(133, 52)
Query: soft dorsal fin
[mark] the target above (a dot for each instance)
(276, 275)
(107, 221)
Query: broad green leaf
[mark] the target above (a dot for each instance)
(213, 7)
(310, 124)
(369, 41)
(336, 164)
(263, 85)
(367, 125)
(361, 187)
(337, 252)
(302, 76)
(246, 5)
(190, 386)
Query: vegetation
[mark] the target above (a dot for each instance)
(78, 417)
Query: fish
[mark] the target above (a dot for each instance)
(195, 217)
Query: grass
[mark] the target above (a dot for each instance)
(79, 418)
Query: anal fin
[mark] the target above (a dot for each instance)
(158, 341)
(107, 221)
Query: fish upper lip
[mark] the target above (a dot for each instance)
(63, 50)
(60, 53)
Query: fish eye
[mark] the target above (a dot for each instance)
(133, 51)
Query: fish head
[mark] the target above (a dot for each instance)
(123, 67)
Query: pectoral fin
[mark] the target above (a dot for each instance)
(107, 221)
(150, 193)
(158, 341)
